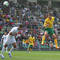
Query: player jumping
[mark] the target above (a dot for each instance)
(11, 40)
(49, 31)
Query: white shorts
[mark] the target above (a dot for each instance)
(10, 40)
(4, 42)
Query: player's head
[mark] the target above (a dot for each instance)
(49, 14)
(32, 35)
(5, 33)
(20, 26)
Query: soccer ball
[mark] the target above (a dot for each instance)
(6, 3)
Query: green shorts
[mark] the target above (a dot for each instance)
(50, 31)
(30, 46)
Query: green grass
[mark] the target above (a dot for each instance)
(34, 55)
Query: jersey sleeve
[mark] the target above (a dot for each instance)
(53, 18)
(45, 22)
(2, 36)
(12, 30)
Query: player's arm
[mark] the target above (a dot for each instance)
(34, 39)
(16, 35)
(2, 40)
(46, 23)
(29, 40)
(53, 18)
(10, 33)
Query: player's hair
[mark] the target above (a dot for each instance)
(20, 25)
(50, 13)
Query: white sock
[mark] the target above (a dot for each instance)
(11, 49)
(3, 50)
(6, 49)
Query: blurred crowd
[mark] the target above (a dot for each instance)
(32, 16)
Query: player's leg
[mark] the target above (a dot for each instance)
(29, 49)
(6, 49)
(14, 46)
(13, 43)
(31, 46)
(52, 33)
(55, 40)
(44, 36)
(12, 49)
(10, 52)
(3, 50)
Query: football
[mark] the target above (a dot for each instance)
(6, 3)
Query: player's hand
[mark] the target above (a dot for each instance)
(47, 22)
(46, 25)
(10, 33)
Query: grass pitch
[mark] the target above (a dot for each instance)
(34, 55)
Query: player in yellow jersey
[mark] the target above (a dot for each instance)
(49, 31)
(31, 43)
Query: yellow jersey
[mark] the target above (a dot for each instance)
(49, 22)
(31, 40)
(23, 41)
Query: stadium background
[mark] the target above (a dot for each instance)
(32, 14)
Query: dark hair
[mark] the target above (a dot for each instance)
(20, 25)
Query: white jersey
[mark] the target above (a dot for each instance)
(14, 30)
(4, 37)
(11, 38)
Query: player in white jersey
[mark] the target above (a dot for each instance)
(11, 40)
(3, 40)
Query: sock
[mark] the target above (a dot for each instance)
(3, 50)
(43, 38)
(11, 49)
(55, 40)
(6, 49)
(30, 49)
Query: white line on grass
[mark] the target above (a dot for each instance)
(47, 53)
